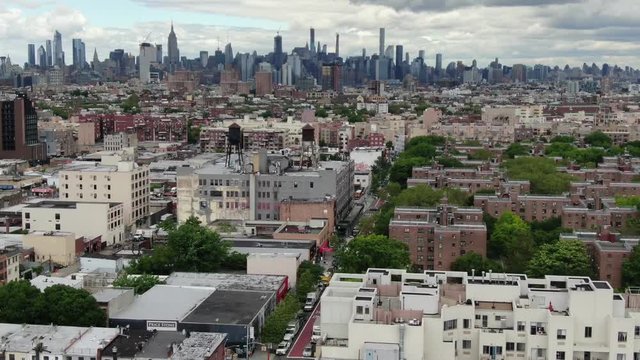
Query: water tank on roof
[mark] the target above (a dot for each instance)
(235, 134)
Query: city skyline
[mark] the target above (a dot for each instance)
(594, 35)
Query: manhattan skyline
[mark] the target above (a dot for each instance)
(554, 33)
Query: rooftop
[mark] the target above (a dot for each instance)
(107, 294)
(165, 302)
(199, 346)
(159, 345)
(229, 307)
(227, 281)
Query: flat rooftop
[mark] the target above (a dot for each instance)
(107, 294)
(57, 204)
(295, 229)
(271, 244)
(199, 346)
(165, 302)
(229, 307)
(219, 281)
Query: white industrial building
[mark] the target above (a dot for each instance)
(395, 315)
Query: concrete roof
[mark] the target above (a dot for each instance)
(42, 282)
(108, 294)
(165, 302)
(199, 346)
(229, 307)
(227, 281)
(91, 340)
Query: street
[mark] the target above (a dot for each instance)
(304, 336)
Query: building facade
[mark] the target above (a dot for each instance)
(19, 130)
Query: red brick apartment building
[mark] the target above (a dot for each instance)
(437, 237)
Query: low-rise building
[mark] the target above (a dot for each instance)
(437, 237)
(394, 314)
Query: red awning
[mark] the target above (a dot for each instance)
(325, 248)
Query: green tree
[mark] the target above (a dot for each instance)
(474, 261)
(21, 303)
(421, 195)
(235, 261)
(563, 139)
(540, 172)
(372, 251)
(139, 283)
(321, 113)
(433, 140)
(193, 132)
(276, 323)
(131, 105)
(599, 139)
(631, 268)
(561, 258)
(547, 231)
(511, 242)
(629, 201)
(481, 154)
(449, 162)
(403, 167)
(517, 149)
(67, 306)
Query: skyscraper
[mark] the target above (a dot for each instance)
(438, 64)
(42, 57)
(173, 51)
(31, 50)
(228, 55)
(147, 56)
(381, 51)
(204, 58)
(312, 40)
(79, 54)
(58, 54)
(278, 56)
(399, 70)
(49, 53)
(337, 45)
(421, 54)
(159, 53)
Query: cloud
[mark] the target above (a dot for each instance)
(448, 5)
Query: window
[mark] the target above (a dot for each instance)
(27, 215)
(466, 344)
(559, 355)
(511, 346)
(57, 226)
(12, 357)
(466, 323)
(450, 325)
(311, 184)
(521, 325)
(520, 347)
(587, 331)
(622, 336)
(27, 226)
(562, 334)
(57, 216)
(359, 310)
(621, 357)
(295, 184)
(636, 332)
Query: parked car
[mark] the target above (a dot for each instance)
(310, 301)
(283, 348)
(317, 335)
(308, 351)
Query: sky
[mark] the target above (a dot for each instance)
(550, 32)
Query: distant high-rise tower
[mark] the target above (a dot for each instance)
(79, 53)
(438, 63)
(421, 54)
(364, 53)
(173, 51)
(42, 57)
(312, 40)
(95, 61)
(147, 56)
(337, 45)
(381, 51)
(58, 54)
(278, 56)
(31, 52)
(228, 55)
(204, 58)
(159, 53)
(49, 53)
(399, 68)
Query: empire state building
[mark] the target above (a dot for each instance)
(174, 52)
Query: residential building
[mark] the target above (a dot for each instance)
(437, 237)
(10, 257)
(120, 141)
(115, 179)
(436, 315)
(88, 219)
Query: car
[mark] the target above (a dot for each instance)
(316, 335)
(283, 348)
(288, 336)
(308, 351)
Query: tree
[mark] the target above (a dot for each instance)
(68, 306)
(190, 247)
(21, 303)
(517, 149)
(235, 261)
(421, 195)
(140, 283)
(481, 154)
(547, 231)
(563, 139)
(433, 140)
(449, 162)
(599, 139)
(276, 324)
(131, 105)
(540, 172)
(402, 169)
(372, 251)
(561, 258)
(511, 242)
(473, 261)
(631, 268)
(322, 113)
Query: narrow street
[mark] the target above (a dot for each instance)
(304, 337)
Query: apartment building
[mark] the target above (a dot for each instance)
(393, 314)
(216, 191)
(10, 264)
(437, 237)
(115, 179)
(120, 141)
(88, 219)
(529, 207)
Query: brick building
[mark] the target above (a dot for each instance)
(437, 237)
